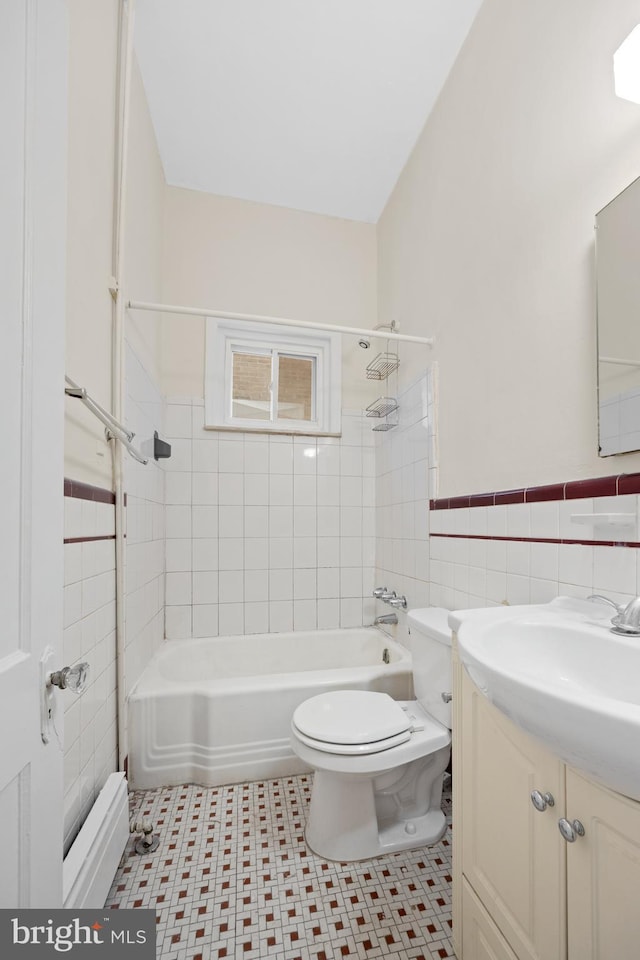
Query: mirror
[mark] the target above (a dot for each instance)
(618, 317)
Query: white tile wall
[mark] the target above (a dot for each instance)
(90, 753)
(145, 547)
(254, 521)
(406, 472)
(476, 573)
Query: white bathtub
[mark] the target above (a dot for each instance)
(217, 711)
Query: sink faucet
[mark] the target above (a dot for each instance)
(627, 619)
(388, 618)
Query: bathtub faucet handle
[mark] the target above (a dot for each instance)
(379, 592)
(398, 602)
(387, 596)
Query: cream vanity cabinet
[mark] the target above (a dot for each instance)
(521, 891)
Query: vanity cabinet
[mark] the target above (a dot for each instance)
(603, 873)
(521, 891)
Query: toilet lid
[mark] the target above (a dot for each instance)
(352, 718)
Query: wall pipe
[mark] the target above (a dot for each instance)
(125, 55)
(256, 318)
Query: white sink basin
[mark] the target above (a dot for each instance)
(559, 673)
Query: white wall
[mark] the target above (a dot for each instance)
(488, 243)
(487, 240)
(93, 44)
(260, 259)
(144, 228)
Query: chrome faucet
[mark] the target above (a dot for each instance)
(390, 596)
(388, 618)
(612, 603)
(398, 602)
(626, 622)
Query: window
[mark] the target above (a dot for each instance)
(279, 379)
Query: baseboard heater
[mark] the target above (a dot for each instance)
(91, 863)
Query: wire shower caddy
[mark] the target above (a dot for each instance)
(381, 368)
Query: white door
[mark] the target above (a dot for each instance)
(32, 273)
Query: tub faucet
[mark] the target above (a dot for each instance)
(388, 618)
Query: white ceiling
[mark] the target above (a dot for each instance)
(311, 104)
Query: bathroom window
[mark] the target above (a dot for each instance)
(271, 378)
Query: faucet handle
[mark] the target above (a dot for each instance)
(387, 597)
(398, 602)
(379, 592)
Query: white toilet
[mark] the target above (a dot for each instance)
(379, 763)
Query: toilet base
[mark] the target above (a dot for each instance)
(357, 817)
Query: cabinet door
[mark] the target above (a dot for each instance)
(510, 851)
(456, 795)
(603, 874)
(481, 939)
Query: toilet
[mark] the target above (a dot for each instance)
(379, 763)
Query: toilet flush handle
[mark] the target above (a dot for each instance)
(447, 697)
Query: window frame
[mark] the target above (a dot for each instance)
(224, 336)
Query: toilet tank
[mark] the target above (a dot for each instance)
(430, 646)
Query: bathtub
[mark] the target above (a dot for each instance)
(216, 711)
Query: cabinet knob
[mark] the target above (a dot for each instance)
(570, 830)
(542, 800)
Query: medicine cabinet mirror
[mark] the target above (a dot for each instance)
(618, 312)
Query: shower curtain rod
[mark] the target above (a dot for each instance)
(225, 315)
(114, 427)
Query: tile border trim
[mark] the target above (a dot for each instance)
(612, 486)
(77, 490)
(563, 540)
(106, 536)
(86, 491)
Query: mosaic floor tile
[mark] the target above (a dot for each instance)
(232, 878)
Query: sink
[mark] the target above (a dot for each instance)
(558, 672)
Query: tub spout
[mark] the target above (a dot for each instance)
(388, 618)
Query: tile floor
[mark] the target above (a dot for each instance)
(232, 878)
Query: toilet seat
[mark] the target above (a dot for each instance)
(352, 722)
